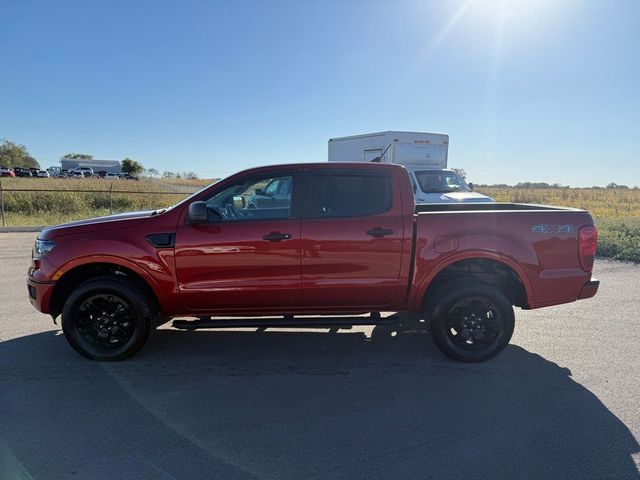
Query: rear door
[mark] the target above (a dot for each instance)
(351, 234)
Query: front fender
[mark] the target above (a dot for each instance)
(155, 266)
(112, 260)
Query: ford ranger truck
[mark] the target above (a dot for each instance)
(347, 242)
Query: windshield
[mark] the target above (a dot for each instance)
(439, 181)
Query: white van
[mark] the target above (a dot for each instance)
(423, 154)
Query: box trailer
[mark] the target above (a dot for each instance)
(410, 149)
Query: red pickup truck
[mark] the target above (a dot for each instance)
(346, 240)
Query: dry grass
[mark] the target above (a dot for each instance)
(63, 203)
(602, 203)
(97, 184)
(200, 182)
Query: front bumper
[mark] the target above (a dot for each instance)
(590, 289)
(40, 294)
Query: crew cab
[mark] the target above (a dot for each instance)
(348, 241)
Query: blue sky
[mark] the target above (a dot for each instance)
(537, 90)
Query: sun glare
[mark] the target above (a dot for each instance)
(517, 11)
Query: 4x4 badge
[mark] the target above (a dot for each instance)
(543, 228)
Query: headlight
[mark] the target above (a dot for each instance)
(42, 247)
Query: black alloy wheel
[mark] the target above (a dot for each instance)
(105, 321)
(108, 318)
(470, 322)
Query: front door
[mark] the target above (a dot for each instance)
(352, 233)
(245, 258)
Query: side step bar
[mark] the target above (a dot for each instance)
(288, 321)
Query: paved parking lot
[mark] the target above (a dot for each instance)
(562, 401)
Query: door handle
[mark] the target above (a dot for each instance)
(379, 232)
(276, 236)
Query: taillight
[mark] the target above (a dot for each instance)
(587, 245)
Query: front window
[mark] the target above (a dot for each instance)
(253, 199)
(438, 181)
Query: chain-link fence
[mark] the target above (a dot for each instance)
(41, 207)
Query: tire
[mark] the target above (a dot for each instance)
(471, 322)
(108, 318)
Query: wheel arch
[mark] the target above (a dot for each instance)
(72, 275)
(488, 267)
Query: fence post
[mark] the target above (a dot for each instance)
(111, 199)
(1, 204)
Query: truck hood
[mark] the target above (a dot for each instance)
(452, 197)
(109, 222)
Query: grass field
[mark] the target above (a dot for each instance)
(616, 211)
(183, 182)
(62, 204)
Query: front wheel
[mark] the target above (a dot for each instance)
(471, 322)
(107, 318)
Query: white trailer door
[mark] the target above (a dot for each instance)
(371, 153)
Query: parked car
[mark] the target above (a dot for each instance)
(7, 172)
(127, 176)
(85, 172)
(22, 172)
(112, 176)
(43, 174)
(350, 240)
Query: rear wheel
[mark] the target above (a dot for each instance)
(471, 322)
(107, 318)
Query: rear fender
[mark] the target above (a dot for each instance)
(423, 284)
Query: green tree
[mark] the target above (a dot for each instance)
(13, 155)
(615, 185)
(188, 175)
(76, 156)
(461, 172)
(131, 167)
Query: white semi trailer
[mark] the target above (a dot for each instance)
(423, 154)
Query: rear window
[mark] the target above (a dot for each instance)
(344, 195)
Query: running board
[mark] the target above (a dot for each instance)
(285, 322)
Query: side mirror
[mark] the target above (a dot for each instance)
(197, 213)
(239, 201)
(471, 185)
(260, 191)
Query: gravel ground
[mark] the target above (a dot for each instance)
(562, 401)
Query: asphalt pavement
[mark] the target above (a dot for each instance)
(561, 402)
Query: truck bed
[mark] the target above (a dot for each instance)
(488, 207)
(538, 242)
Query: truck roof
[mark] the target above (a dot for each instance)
(322, 165)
